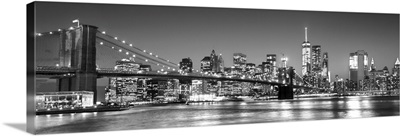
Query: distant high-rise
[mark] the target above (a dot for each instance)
(221, 63)
(325, 66)
(250, 68)
(186, 65)
(214, 62)
(123, 85)
(271, 63)
(385, 71)
(306, 55)
(316, 58)
(358, 66)
(396, 68)
(284, 61)
(205, 65)
(239, 60)
(372, 67)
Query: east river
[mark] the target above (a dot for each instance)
(221, 113)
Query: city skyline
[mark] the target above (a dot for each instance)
(195, 32)
(132, 65)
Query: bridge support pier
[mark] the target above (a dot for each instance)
(286, 91)
(78, 51)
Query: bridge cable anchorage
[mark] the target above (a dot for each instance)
(137, 56)
(125, 43)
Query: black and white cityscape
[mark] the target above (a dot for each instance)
(103, 67)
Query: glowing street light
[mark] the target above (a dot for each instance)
(104, 32)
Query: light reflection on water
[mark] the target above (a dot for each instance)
(180, 115)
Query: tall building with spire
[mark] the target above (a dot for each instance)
(396, 68)
(372, 67)
(306, 55)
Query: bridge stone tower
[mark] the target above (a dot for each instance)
(78, 51)
(286, 91)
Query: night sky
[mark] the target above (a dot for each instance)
(179, 32)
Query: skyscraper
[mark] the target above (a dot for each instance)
(358, 66)
(205, 65)
(239, 60)
(306, 55)
(284, 61)
(186, 65)
(271, 63)
(372, 67)
(316, 58)
(325, 66)
(221, 63)
(214, 62)
(396, 68)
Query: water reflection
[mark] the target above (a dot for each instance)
(220, 113)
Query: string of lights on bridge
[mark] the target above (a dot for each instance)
(131, 45)
(127, 52)
(136, 56)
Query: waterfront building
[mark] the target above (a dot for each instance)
(125, 87)
(186, 65)
(358, 66)
(63, 99)
(306, 55)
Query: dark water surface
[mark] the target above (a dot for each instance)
(222, 113)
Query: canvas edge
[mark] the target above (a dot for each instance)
(30, 67)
